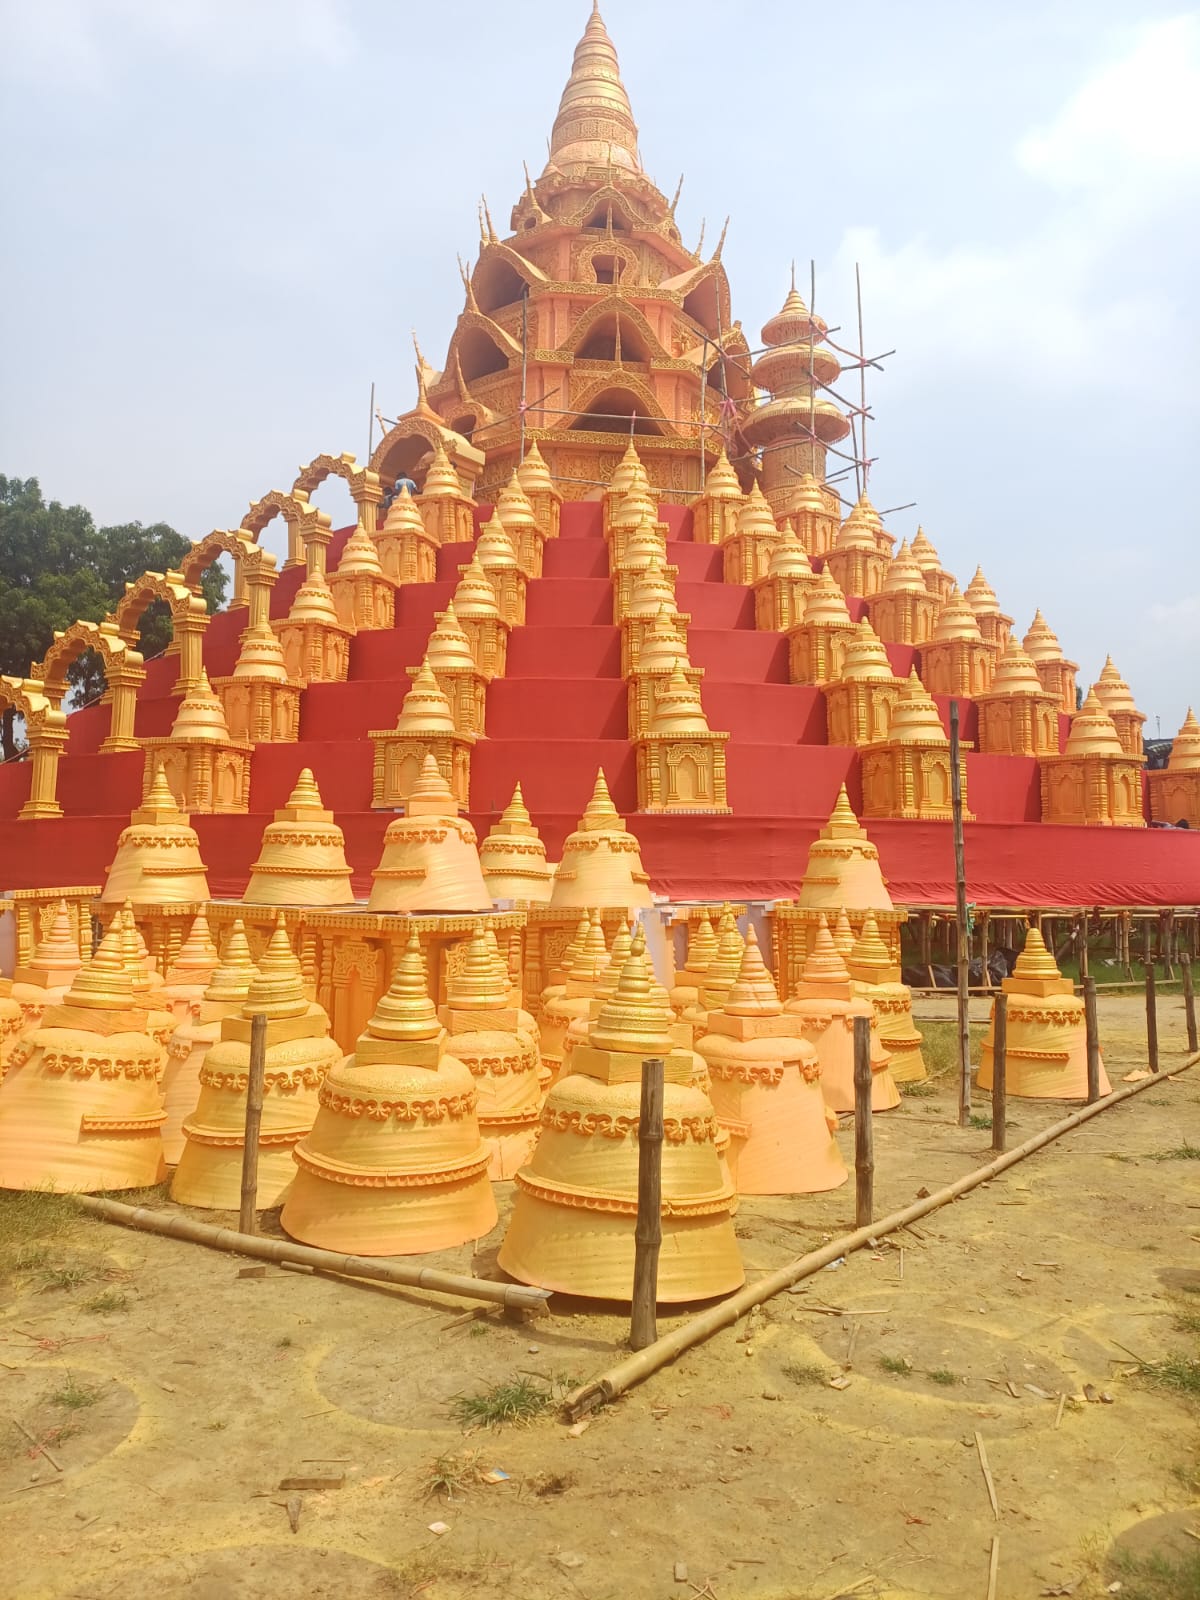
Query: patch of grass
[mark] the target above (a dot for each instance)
(477, 1330)
(942, 1375)
(108, 1300)
(1187, 1320)
(28, 1218)
(1157, 1577)
(979, 1119)
(75, 1396)
(517, 1400)
(941, 1046)
(65, 1278)
(284, 1342)
(901, 1366)
(452, 1473)
(1188, 1474)
(805, 1372)
(544, 1484)
(918, 1091)
(217, 1425)
(1181, 1152)
(1181, 1374)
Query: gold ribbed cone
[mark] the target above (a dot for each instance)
(722, 481)
(406, 1011)
(866, 658)
(481, 983)
(825, 604)
(903, 575)
(600, 812)
(106, 983)
(823, 963)
(404, 515)
(431, 795)
(201, 716)
(789, 559)
(441, 480)
(494, 547)
(534, 474)
(594, 126)
(843, 824)
(426, 709)
(314, 603)
(515, 818)
(633, 1020)
(592, 959)
(1041, 642)
(56, 957)
(843, 934)
(359, 558)
(277, 988)
(1035, 961)
(870, 955)
(134, 951)
(1015, 673)
(514, 509)
(231, 980)
(678, 708)
(474, 597)
(159, 804)
(198, 958)
(702, 946)
(924, 554)
(726, 963)
(753, 993)
(618, 955)
(260, 656)
(956, 620)
(629, 470)
(449, 649)
(1185, 748)
(1092, 731)
(915, 718)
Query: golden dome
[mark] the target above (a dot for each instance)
(753, 993)
(515, 821)
(160, 804)
(793, 323)
(824, 964)
(981, 597)
(449, 649)
(915, 718)
(721, 482)
(628, 473)
(594, 126)
(870, 956)
(513, 508)
(1113, 693)
(359, 557)
(404, 515)
(426, 709)
(157, 859)
(406, 1013)
(1035, 961)
(260, 656)
(313, 604)
(789, 559)
(441, 480)
(677, 706)
(664, 644)
(513, 857)
(600, 814)
(494, 547)
(956, 620)
(806, 496)
(825, 604)
(651, 590)
(302, 859)
(1015, 674)
(903, 575)
(702, 946)
(756, 520)
(198, 956)
(636, 507)
(474, 597)
(231, 980)
(201, 717)
(106, 983)
(924, 554)
(277, 988)
(601, 861)
(862, 529)
(866, 659)
(481, 982)
(1185, 748)
(633, 1019)
(1041, 642)
(1092, 731)
(534, 474)
(646, 544)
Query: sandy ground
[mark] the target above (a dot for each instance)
(200, 1390)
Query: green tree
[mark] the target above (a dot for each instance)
(56, 567)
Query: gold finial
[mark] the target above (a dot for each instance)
(870, 955)
(481, 983)
(314, 603)
(721, 241)
(305, 796)
(1092, 731)
(425, 709)
(702, 946)
(406, 1013)
(277, 988)
(842, 820)
(474, 595)
(675, 197)
(593, 958)
(449, 649)
(1035, 961)
(160, 804)
(633, 1019)
(843, 934)
(823, 963)
(105, 983)
(1185, 747)
(600, 813)
(753, 993)
(595, 120)
(201, 715)
(618, 955)
(726, 963)
(198, 957)
(431, 795)
(133, 950)
(231, 980)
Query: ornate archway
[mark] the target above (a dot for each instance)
(124, 674)
(46, 734)
(189, 619)
(309, 530)
(363, 482)
(254, 569)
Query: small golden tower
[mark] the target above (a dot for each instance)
(543, 493)
(316, 645)
(859, 560)
(515, 514)
(302, 861)
(407, 552)
(394, 1163)
(904, 611)
(938, 581)
(189, 974)
(653, 592)
(601, 861)
(364, 596)
(634, 517)
(1175, 788)
(448, 656)
(582, 971)
(158, 855)
(513, 857)
(876, 977)
(424, 728)
(1053, 668)
(779, 598)
(1047, 1033)
(859, 702)
(995, 627)
(680, 760)
(632, 558)
(811, 512)
(224, 996)
(958, 660)
(445, 510)
(478, 611)
(628, 475)
(299, 1054)
(766, 1090)
(663, 647)
(747, 555)
(701, 950)
(715, 512)
(1094, 783)
(817, 644)
(908, 775)
(1018, 716)
(51, 970)
(80, 1107)
(572, 1223)
(487, 1034)
(205, 768)
(260, 702)
(430, 861)
(497, 555)
(1115, 696)
(824, 1005)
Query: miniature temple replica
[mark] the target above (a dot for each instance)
(302, 861)
(1175, 788)
(1047, 1037)
(822, 1009)
(223, 996)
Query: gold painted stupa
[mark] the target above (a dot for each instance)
(299, 1054)
(601, 861)
(302, 861)
(876, 977)
(394, 1163)
(589, 961)
(1175, 788)
(513, 857)
(189, 974)
(701, 949)
(430, 861)
(157, 861)
(573, 1219)
(1046, 1051)
(824, 1006)
(80, 1107)
(51, 971)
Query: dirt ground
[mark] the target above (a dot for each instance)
(174, 1397)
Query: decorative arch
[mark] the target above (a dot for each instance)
(46, 734)
(610, 307)
(619, 407)
(124, 674)
(593, 212)
(189, 619)
(474, 337)
(306, 524)
(254, 568)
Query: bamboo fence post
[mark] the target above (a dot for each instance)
(1151, 1019)
(864, 1152)
(960, 906)
(254, 1106)
(1091, 1022)
(643, 1329)
(1189, 1003)
(999, 1070)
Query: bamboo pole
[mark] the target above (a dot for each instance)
(1189, 1002)
(254, 1106)
(174, 1225)
(643, 1328)
(633, 1369)
(864, 1153)
(1151, 1019)
(1092, 1025)
(999, 1071)
(963, 952)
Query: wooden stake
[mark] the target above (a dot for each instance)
(999, 1070)
(1189, 1003)
(993, 1567)
(987, 1475)
(254, 1106)
(864, 1155)
(1151, 1020)
(1092, 1025)
(960, 905)
(648, 1233)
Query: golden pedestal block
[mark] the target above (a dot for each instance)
(818, 643)
(394, 1163)
(904, 611)
(1047, 1037)
(316, 645)
(424, 731)
(158, 855)
(747, 553)
(1175, 788)
(406, 550)
(1093, 783)
(601, 862)
(205, 769)
(364, 596)
(261, 704)
(430, 861)
(497, 555)
(958, 660)
(781, 596)
(680, 760)
(541, 491)
(448, 656)
(824, 1007)
(715, 512)
(1017, 716)
(909, 774)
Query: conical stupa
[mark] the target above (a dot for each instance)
(588, 965)
(876, 977)
(302, 861)
(601, 863)
(1047, 1034)
(189, 973)
(701, 948)
(49, 975)
(430, 861)
(158, 855)
(394, 1163)
(825, 1006)
(513, 857)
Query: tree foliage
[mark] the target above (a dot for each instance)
(57, 567)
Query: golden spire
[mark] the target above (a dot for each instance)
(1185, 747)
(843, 824)
(915, 718)
(678, 708)
(825, 603)
(956, 620)
(359, 557)
(866, 658)
(756, 519)
(618, 955)
(843, 934)
(406, 1012)
(134, 951)
(924, 553)
(1035, 961)
(474, 595)
(1113, 693)
(725, 965)
(426, 709)
(449, 649)
(1015, 673)
(201, 716)
(1092, 731)
(533, 474)
(664, 645)
(628, 472)
(277, 988)
(1041, 642)
(431, 795)
(722, 481)
(304, 800)
(601, 815)
(753, 993)
(870, 955)
(515, 818)
(980, 596)
(106, 983)
(903, 575)
(789, 559)
(494, 547)
(314, 603)
(824, 963)
(633, 1019)
(56, 957)
(440, 477)
(594, 126)
(592, 960)
(198, 957)
(481, 983)
(160, 804)
(702, 946)
(231, 980)
(861, 528)
(404, 515)
(260, 655)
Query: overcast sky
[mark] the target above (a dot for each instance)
(225, 216)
